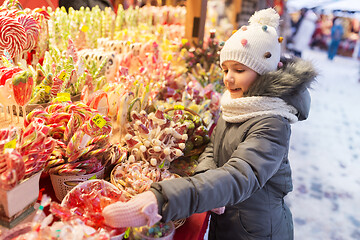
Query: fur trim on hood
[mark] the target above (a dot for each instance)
(290, 83)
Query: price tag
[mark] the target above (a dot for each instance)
(10, 145)
(62, 75)
(46, 88)
(178, 107)
(99, 120)
(84, 28)
(63, 97)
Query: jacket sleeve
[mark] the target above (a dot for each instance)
(251, 165)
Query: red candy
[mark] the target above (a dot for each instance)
(87, 200)
(12, 37)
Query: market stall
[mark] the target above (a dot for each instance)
(118, 105)
(347, 11)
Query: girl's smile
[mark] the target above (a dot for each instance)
(237, 78)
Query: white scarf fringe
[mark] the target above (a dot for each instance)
(241, 109)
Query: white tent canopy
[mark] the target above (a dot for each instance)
(342, 5)
(326, 5)
(295, 5)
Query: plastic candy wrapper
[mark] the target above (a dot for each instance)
(135, 178)
(86, 202)
(155, 138)
(163, 231)
(81, 135)
(75, 230)
(36, 146)
(42, 227)
(24, 152)
(12, 169)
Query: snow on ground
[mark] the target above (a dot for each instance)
(325, 154)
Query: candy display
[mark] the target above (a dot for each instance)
(147, 101)
(36, 146)
(86, 201)
(12, 169)
(40, 228)
(23, 152)
(155, 138)
(81, 135)
(163, 231)
(135, 178)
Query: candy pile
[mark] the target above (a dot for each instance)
(81, 133)
(12, 167)
(36, 146)
(43, 227)
(135, 178)
(86, 202)
(23, 152)
(203, 101)
(185, 166)
(63, 72)
(154, 138)
(203, 62)
(197, 131)
(165, 231)
(74, 229)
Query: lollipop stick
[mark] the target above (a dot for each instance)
(23, 111)
(11, 112)
(17, 108)
(4, 111)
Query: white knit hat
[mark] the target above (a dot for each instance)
(257, 46)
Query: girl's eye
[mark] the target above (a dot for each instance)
(225, 71)
(240, 70)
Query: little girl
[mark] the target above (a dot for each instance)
(245, 167)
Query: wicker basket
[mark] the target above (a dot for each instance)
(63, 184)
(115, 183)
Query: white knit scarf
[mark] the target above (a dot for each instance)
(241, 109)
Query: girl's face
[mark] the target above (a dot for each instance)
(237, 78)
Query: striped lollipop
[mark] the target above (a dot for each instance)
(31, 30)
(12, 36)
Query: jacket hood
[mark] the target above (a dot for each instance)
(290, 83)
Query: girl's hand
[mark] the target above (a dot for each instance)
(219, 210)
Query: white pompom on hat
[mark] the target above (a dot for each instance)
(257, 45)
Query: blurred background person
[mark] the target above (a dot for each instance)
(318, 36)
(337, 32)
(304, 33)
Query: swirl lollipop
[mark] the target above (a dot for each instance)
(31, 29)
(12, 36)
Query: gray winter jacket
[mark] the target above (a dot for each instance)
(245, 167)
